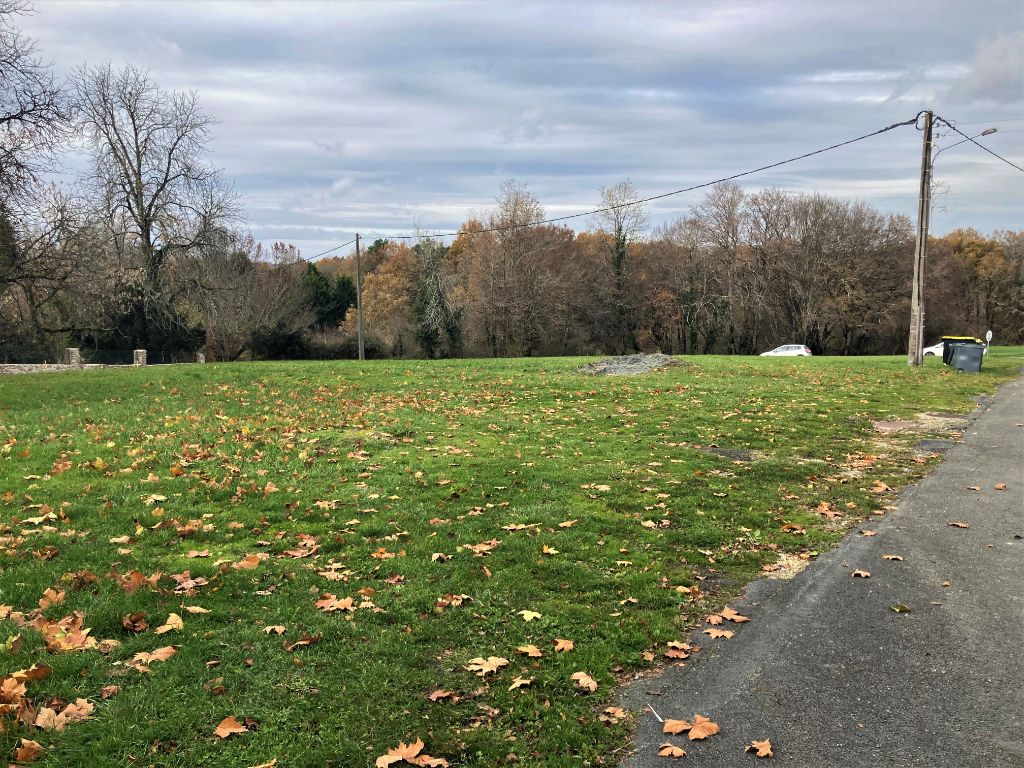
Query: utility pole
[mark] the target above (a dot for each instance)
(924, 207)
(359, 300)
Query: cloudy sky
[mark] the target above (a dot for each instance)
(381, 117)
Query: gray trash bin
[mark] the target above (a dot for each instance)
(968, 357)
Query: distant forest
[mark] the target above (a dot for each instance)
(145, 251)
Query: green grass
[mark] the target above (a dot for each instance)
(418, 458)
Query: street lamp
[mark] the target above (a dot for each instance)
(986, 132)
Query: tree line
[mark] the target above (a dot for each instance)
(146, 250)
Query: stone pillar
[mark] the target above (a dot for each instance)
(200, 357)
(73, 356)
(139, 357)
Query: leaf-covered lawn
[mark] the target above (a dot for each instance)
(314, 563)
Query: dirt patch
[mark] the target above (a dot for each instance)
(629, 365)
(738, 455)
(786, 567)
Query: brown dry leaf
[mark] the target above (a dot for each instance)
(530, 650)
(584, 681)
(442, 695)
(196, 609)
(520, 682)
(827, 509)
(702, 727)
(269, 764)
(612, 715)
(28, 751)
(762, 748)
(717, 633)
(567, 524)
(730, 615)
(302, 642)
(973, 487)
(228, 726)
(276, 629)
(892, 557)
(173, 622)
(959, 524)
(793, 528)
(673, 727)
(198, 553)
(109, 691)
(402, 752)
(671, 750)
(868, 533)
(563, 646)
(330, 603)
(486, 666)
(858, 574)
(140, 660)
(1000, 486)
(880, 487)
(714, 618)
(51, 597)
(135, 622)
(249, 562)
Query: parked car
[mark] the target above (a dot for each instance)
(934, 350)
(788, 350)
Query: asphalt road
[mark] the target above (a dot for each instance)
(833, 676)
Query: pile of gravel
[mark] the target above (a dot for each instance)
(629, 365)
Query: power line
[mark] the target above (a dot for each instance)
(664, 194)
(301, 259)
(982, 146)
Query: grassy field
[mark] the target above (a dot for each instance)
(395, 519)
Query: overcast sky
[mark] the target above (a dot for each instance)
(379, 117)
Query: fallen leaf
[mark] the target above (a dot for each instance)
(487, 666)
(529, 615)
(612, 715)
(28, 751)
(403, 751)
(671, 750)
(442, 695)
(276, 629)
(761, 748)
(892, 557)
(584, 681)
(563, 646)
(861, 574)
(959, 524)
(530, 650)
(716, 633)
(1000, 486)
(135, 622)
(109, 691)
(730, 615)
(868, 533)
(520, 682)
(900, 608)
(228, 726)
(173, 622)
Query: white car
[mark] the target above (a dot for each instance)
(934, 350)
(788, 350)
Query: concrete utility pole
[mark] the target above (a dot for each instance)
(924, 207)
(359, 300)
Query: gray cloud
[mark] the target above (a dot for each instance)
(344, 116)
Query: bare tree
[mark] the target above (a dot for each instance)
(33, 114)
(152, 180)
